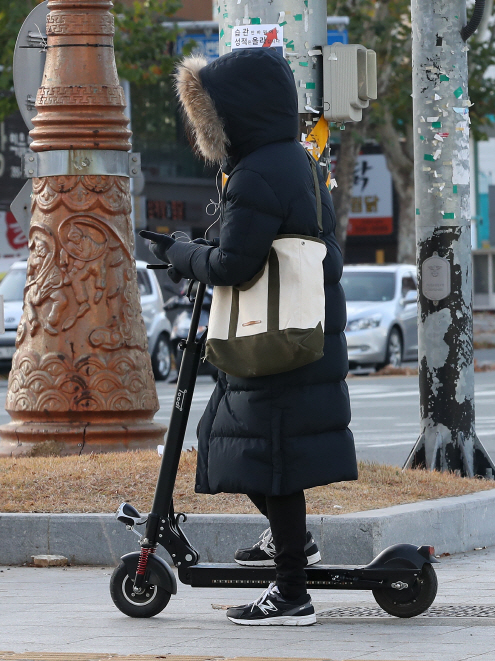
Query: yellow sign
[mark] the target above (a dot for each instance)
(318, 137)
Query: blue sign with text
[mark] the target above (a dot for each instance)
(206, 46)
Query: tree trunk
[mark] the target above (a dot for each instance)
(399, 154)
(406, 245)
(350, 144)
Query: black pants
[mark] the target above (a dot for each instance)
(287, 517)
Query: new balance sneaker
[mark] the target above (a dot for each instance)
(262, 554)
(272, 609)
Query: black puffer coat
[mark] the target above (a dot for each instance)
(278, 434)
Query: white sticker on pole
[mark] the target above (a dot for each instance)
(435, 278)
(258, 36)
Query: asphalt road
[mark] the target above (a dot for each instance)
(385, 413)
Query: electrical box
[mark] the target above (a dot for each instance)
(349, 81)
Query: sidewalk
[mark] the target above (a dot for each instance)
(69, 611)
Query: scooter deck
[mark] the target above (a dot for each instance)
(321, 577)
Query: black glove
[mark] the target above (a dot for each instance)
(214, 243)
(159, 245)
(174, 275)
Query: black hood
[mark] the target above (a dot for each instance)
(254, 93)
(238, 103)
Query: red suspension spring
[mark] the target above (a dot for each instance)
(143, 561)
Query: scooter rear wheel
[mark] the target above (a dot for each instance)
(151, 601)
(412, 601)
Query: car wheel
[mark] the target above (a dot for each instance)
(161, 358)
(393, 355)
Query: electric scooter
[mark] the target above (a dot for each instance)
(401, 577)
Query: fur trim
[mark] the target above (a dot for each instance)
(206, 125)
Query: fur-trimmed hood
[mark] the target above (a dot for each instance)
(238, 103)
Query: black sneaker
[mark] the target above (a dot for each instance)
(272, 609)
(262, 554)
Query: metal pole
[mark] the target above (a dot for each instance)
(448, 440)
(304, 27)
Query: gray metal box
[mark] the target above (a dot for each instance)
(349, 81)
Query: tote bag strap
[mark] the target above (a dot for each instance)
(273, 301)
(317, 192)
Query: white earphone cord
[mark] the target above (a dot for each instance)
(216, 205)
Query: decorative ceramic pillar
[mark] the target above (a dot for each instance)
(81, 377)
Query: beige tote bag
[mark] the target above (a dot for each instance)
(274, 323)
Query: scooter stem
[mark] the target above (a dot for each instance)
(178, 422)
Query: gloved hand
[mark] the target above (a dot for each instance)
(214, 243)
(159, 245)
(174, 275)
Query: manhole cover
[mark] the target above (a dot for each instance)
(434, 611)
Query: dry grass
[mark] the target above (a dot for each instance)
(483, 367)
(100, 482)
(484, 344)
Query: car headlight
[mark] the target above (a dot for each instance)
(181, 326)
(364, 323)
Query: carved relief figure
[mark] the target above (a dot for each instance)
(44, 284)
(83, 254)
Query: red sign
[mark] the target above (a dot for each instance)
(371, 212)
(15, 236)
(370, 226)
(166, 209)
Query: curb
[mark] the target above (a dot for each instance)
(451, 525)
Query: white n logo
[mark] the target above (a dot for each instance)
(267, 606)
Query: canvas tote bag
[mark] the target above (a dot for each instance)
(275, 322)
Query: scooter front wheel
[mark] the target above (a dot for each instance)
(412, 601)
(149, 602)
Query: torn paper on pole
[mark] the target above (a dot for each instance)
(460, 166)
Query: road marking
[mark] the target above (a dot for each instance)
(410, 442)
(406, 393)
(384, 435)
(375, 417)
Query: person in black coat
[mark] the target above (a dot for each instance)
(269, 437)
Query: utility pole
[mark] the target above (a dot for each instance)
(301, 31)
(81, 377)
(448, 440)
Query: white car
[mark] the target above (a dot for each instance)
(382, 314)
(157, 324)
